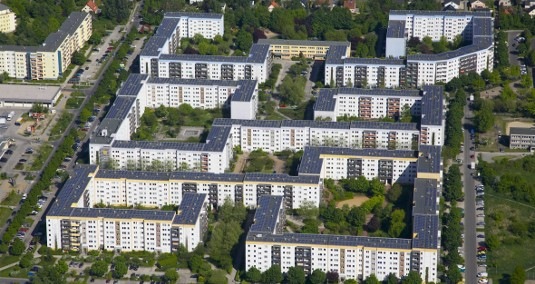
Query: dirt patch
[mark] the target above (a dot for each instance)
(279, 166)
(491, 93)
(522, 124)
(241, 163)
(355, 201)
(270, 34)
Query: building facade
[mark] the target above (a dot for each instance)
(50, 60)
(521, 138)
(8, 22)
(402, 70)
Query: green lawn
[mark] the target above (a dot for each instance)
(6, 259)
(44, 151)
(4, 215)
(513, 249)
(12, 199)
(15, 272)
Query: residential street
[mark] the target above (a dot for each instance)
(470, 244)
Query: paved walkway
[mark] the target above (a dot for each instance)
(488, 156)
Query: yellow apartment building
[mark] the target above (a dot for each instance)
(8, 21)
(286, 49)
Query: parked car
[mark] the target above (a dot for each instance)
(480, 208)
(481, 236)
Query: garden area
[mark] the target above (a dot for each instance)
(165, 122)
(357, 207)
(510, 214)
(259, 161)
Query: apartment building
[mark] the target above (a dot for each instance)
(316, 50)
(521, 138)
(366, 103)
(75, 222)
(433, 116)
(255, 66)
(400, 69)
(50, 60)
(295, 135)
(8, 22)
(352, 257)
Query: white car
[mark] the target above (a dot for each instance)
(483, 275)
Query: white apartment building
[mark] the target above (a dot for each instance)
(256, 66)
(50, 60)
(295, 135)
(366, 103)
(75, 222)
(420, 69)
(8, 22)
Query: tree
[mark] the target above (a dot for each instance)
(49, 275)
(272, 275)
(372, 279)
(308, 210)
(99, 268)
(171, 275)
(453, 187)
(26, 260)
(518, 276)
(333, 277)
(391, 279)
(244, 40)
(484, 118)
(295, 275)
(116, 10)
(317, 277)
(78, 58)
(120, 269)
(453, 273)
(492, 241)
(412, 278)
(357, 217)
(17, 247)
(394, 193)
(397, 224)
(253, 275)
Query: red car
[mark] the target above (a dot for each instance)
(472, 156)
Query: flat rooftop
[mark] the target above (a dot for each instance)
(522, 131)
(28, 93)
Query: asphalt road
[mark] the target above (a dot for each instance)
(513, 55)
(470, 244)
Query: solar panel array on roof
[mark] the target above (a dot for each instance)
(132, 85)
(425, 196)
(190, 208)
(193, 15)
(396, 29)
(430, 159)
(432, 105)
(245, 91)
(121, 107)
(331, 240)
(267, 215)
(425, 231)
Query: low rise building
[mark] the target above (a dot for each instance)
(521, 138)
(288, 49)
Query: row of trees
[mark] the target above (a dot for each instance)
(454, 131)
(296, 275)
(226, 234)
(453, 186)
(451, 240)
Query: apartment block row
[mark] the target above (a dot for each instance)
(428, 103)
(400, 69)
(50, 60)
(74, 222)
(354, 257)
(153, 92)
(398, 166)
